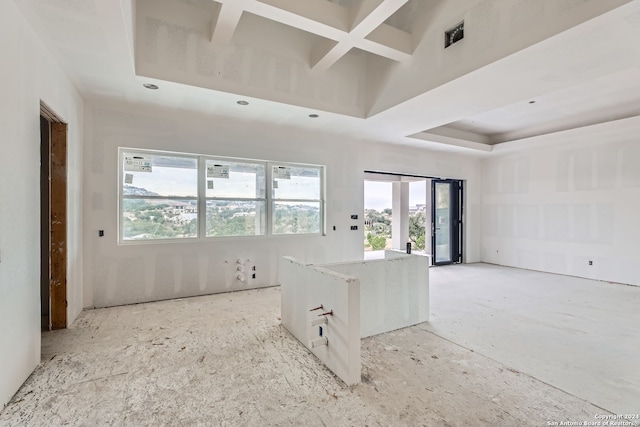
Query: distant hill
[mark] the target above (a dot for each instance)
(130, 190)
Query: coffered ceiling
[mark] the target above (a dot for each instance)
(339, 26)
(371, 69)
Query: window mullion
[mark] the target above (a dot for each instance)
(202, 200)
(298, 200)
(120, 195)
(237, 199)
(269, 195)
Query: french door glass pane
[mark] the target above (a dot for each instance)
(443, 221)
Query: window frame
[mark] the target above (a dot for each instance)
(273, 200)
(122, 196)
(201, 198)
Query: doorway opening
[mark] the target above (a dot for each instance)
(420, 213)
(53, 220)
(378, 215)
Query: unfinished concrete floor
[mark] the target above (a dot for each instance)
(225, 360)
(582, 336)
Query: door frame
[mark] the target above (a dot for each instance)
(456, 224)
(57, 217)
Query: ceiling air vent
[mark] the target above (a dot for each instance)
(454, 34)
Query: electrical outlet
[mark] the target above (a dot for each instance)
(253, 276)
(354, 216)
(100, 233)
(354, 227)
(590, 262)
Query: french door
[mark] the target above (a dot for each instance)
(446, 221)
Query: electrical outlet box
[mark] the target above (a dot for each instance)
(101, 233)
(354, 216)
(590, 262)
(354, 227)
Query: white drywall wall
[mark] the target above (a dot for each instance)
(560, 204)
(305, 287)
(120, 274)
(365, 298)
(394, 292)
(29, 74)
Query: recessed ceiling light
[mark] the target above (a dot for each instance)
(532, 102)
(314, 116)
(150, 86)
(242, 103)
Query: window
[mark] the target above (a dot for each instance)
(297, 203)
(235, 199)
(182, 196)
(159, 197)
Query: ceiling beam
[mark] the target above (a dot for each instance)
(324, 12)
(318, 17)
(371, 14)
(367, 18)
(224, 24)
(330, 57)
